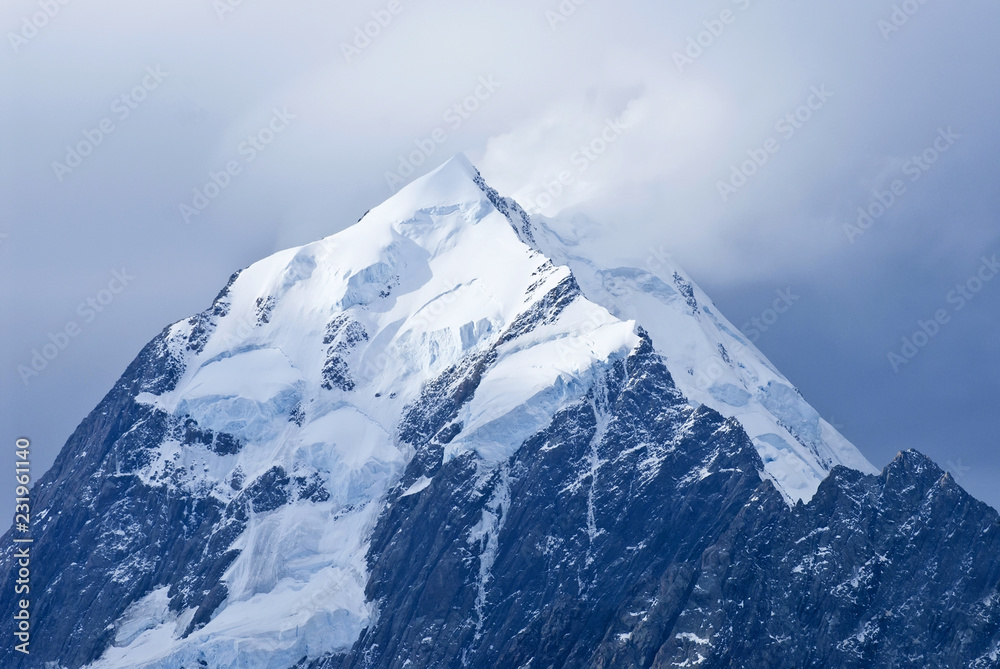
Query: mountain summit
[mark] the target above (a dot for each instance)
(446, 437)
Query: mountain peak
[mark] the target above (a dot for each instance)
(912, 465)
(711, 362)
(442, 361)
(460, 161)
(452, 182)
(451, 173)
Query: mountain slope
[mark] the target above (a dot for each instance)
(711, 361)
(445, 437)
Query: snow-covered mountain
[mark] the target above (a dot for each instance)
(448, 436)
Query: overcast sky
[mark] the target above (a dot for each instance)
(835, 106)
